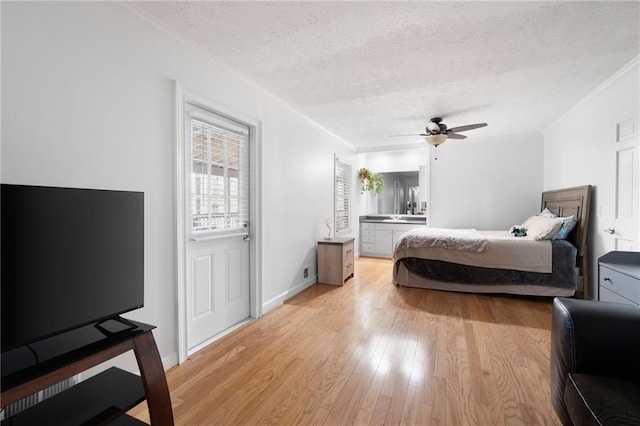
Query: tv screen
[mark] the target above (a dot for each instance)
(70, 257)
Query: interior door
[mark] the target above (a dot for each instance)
(217, 248)
(624, 227)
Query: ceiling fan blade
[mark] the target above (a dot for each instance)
(467, 127)
(402, 136)
(456, 136)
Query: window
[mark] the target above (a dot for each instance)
(219, 178)
(342, 195)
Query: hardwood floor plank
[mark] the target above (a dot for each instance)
(440, 401)
(380, 410)
(373, 353)
(347, 405)
(368, 404)
(274, 400)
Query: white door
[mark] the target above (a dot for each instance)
(626, 189)
(217, 247)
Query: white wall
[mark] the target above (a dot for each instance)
(87, 102)
(397, 161)
(486, 183)
(577, 151)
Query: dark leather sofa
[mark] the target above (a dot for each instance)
(595, 362)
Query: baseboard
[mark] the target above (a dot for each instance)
(169, 360)
(278, 300)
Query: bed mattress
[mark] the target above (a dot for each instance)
(558, 280)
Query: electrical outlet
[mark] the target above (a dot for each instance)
(306, 272)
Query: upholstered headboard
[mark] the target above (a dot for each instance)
(573, 201)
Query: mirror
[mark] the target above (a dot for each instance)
(400, 194)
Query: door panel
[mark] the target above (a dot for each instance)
(234, 275)
(202, 299)
(625, 222)
(624, 201)
(384, 242)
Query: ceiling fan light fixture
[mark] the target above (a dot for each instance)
(436, 140)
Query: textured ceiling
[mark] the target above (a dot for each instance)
(368, 70)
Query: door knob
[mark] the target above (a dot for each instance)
(610, 230)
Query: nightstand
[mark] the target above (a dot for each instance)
(619, 277)
(335, 260)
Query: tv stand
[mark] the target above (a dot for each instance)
(114, 391)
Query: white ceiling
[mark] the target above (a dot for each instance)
(368, 70)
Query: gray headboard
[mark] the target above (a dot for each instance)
(573, 201)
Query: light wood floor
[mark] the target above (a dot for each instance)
(371, 353)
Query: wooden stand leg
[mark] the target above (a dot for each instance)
(153, 380)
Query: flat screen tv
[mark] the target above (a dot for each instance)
(70, 257)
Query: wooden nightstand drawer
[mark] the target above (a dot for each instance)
(349, 269)
(347, 251)
(621, 284)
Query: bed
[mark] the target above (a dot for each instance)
(498, 262)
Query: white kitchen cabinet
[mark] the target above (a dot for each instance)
(378, 239)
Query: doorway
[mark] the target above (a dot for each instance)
(217, 230)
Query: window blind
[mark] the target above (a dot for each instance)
(342, 196)
(219, 173)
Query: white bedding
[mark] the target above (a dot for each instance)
(502, 251)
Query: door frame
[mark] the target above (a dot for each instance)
(181, 96)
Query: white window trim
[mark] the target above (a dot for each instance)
(339, 164)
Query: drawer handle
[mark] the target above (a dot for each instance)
(348, 251)
(608, 279)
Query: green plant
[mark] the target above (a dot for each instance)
(369, 181)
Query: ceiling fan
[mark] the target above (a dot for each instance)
(437, 132)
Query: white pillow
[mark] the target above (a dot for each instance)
(544, 213)
(530, 220)
(547, 213)
(542, 228)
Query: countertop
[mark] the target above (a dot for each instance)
(409, 219)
